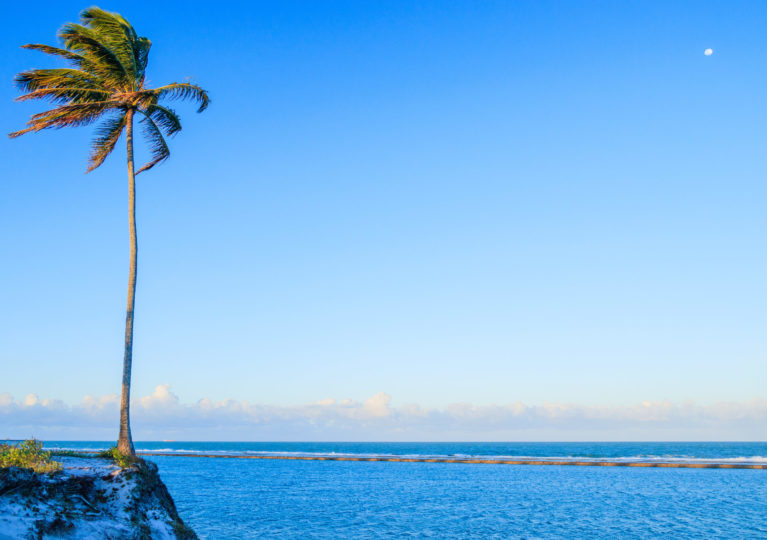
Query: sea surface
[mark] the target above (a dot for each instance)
(257, 498)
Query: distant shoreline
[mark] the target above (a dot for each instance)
(671, 465)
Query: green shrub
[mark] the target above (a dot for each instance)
(28, 455)
(123, 460)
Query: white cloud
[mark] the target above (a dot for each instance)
(162, 397)
(161, 415)
(378, 405)
(95, 404)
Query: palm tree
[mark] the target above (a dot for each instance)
(106, 83)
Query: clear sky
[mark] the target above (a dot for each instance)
(477, 202)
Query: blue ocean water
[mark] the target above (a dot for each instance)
(244, 498)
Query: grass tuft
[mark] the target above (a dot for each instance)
(123, 460)
(28, 455)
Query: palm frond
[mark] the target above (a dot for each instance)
(165, 118)
(157, 145)
(114, 31)
(108, 22)
(78, 60)
(80, 114)
(78, 109)
(183, 91)
(66, 95)
(141, 52)
(105, 61)
(39, 79)
(107, 136)
(69, 55)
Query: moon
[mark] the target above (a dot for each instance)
(708, 52)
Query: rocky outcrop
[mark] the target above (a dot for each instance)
(89, 498)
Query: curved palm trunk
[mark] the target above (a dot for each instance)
(125, 442)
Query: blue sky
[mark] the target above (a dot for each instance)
(447, 202)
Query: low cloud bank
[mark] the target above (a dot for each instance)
(161, 415)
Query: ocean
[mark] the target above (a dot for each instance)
(257, 498)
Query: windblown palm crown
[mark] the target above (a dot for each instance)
(107, 79)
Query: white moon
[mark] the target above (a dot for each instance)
(708, 52)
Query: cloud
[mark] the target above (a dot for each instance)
(161, 398)
(99, 404)
(161, 415)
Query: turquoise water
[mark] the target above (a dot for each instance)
(242, 498)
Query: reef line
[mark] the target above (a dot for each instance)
(671, 465)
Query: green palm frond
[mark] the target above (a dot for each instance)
(107, 136)
(66, 94)
(117, 34)
(37, 79)
(107, 23)
(141, 52)
(80, 114)
(69, 55)
(165, 118)
(157, 145)
(183, 91)
(78, 60)
(105, 61)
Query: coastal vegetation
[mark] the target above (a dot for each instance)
(120, 459)
(106, 84)
(28, 454)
